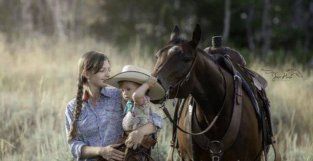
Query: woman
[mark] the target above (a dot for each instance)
(94, 117)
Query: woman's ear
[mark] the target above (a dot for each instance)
(85, 75)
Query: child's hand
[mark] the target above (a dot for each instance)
(151, 81)
(134, 139)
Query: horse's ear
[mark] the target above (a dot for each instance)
(175, 33)
(196, 36)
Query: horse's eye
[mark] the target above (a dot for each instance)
(187, 58)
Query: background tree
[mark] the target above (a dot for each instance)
(257, 26)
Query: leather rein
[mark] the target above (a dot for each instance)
(178, 85)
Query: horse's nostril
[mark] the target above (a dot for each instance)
(158, 80)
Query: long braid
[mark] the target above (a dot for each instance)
(77, 111)
(90, 62)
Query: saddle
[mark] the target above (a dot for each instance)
(254, 85)
(239, 60)
(142, 153)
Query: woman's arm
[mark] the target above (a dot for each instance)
(79, 149)
(108, 152)
(90, 151)
(76, 143)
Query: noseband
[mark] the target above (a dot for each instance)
(180, 83)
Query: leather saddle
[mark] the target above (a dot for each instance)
(253, 83)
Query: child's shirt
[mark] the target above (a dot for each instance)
(137, 115)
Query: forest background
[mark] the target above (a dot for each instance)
(41, 41)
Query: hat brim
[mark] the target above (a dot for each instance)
(155, 93)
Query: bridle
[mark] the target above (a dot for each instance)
(178, 85)
(185, 79)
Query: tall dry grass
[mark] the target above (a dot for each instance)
(38, 77)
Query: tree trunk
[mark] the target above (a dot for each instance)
(250, 34)
(227, 16)
(26, 16)
(58, 16)
(308, 28)
(76, 18)
(266, 30)
(297, 19)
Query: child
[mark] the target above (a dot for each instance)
(138, 88)
(137, 110)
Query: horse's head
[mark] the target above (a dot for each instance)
(175, 63)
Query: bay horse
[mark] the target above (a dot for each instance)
(187, 72)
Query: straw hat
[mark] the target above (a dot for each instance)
(138, 75)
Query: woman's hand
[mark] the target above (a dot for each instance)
(110, 153)
(134, 139)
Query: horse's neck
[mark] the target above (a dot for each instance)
(209, 86)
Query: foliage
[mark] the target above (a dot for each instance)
(150, 22)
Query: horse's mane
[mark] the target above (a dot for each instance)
(206, 55)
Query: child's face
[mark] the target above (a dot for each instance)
(128, 88)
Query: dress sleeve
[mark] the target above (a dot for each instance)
(77, 143)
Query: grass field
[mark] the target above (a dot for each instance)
(38, 77)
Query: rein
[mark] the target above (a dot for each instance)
(180, 83)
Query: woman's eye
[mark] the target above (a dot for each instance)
(105, 70)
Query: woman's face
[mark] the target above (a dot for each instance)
(128, 89)
(98, 79)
